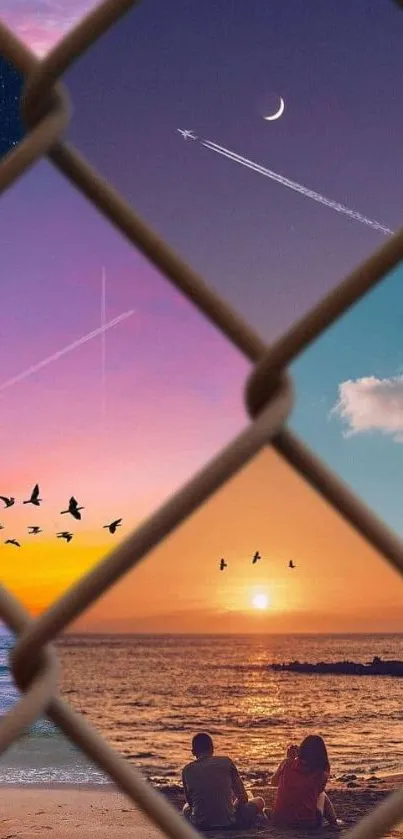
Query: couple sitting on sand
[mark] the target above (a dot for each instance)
(216, 798)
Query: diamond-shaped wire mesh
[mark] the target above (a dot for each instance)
(269, 399)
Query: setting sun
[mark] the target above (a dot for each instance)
(260, 600)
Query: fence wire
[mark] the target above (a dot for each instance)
(269, 397)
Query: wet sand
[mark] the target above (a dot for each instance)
(83, 812)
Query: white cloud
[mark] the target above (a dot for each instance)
(371, 404)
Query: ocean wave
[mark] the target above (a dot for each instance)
(43, 728)
(229, 722)
(12, 776)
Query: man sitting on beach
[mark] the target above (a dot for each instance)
(215, 795)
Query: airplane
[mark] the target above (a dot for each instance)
(187, 135)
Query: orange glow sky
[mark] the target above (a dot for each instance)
(339, 585)
(173, 389)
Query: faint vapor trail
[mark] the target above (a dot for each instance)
(103, 349)
(308, 193)
(78, 343)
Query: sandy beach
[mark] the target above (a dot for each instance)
(86, 812)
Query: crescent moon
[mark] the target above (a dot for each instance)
(278, 113)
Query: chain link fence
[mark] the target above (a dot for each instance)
(269, 399)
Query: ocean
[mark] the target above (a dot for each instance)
(148, 695)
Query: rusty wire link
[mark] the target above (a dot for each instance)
(146, 537)
(131, 782)
(43, 136)
(108, 201)
(38, 692)
(119, 213)
(335, 304)
(31, 149)
(45, 132)
(46, 701)
(341, 498)
(82, 175)
(74, 44)
(242, 336)
(268, 398)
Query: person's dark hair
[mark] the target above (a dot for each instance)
(202, 743)
(314, 753)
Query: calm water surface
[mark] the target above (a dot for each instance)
(148, 695)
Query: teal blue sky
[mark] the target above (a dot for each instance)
(362, 438)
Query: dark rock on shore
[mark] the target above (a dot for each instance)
(377, 667)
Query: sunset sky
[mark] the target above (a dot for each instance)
(174, 385)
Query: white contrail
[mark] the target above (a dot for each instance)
(65, 350)
(308, 193)
(103, 348)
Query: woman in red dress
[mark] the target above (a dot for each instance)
(301, 779)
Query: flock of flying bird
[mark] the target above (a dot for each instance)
(73, 509)
(255, 558)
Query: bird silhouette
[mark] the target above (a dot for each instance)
(8, 501)
(113, 525)
(34, 529)
(34, 497)
(12, 542)
(73, 508)
(222, 565)
(256, 557)
(291, 564)
(65, 535)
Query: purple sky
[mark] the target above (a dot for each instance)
(41, 23)
(174, 386)
(161, 370)
(217, 70)
(189, 65)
